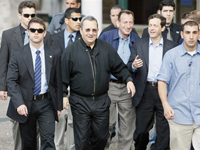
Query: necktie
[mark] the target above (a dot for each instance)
(169, 37)
(26, 38)
(70, 39)
(37, 88)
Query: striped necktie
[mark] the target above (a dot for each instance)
(37, 88)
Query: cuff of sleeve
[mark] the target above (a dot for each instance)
(129, 79)
(133, 68)
(65, 94)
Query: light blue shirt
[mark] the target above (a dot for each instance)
(155, 60)
(44, 85)
(66, 37)
(181, 72)
(123, 50)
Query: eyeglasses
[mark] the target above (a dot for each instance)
(27, 15)
(93, 30)
(76, 18)
(38, 30)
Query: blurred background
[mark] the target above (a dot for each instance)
(100, 9)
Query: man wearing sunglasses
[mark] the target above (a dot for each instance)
(62, 40)
(58, 21)
(11, 39)
(35, 85)
(86, 67)
(122, 40)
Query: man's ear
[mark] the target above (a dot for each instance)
(163, 28)
(79, 5)
(66, 20)
(181, 34)
(45, 32)
(19, 16)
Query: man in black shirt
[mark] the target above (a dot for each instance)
(86, 67)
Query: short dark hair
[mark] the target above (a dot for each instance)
(125, 12)
(69, 11)
(162, 19)
(190, 23)
(25, 4)
(78, 1)
(166, 3)
(37, 20)
(90, 18)
(117, 7)
(185, 15)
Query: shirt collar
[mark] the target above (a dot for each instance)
(22, 29)
(170, 26)
(184, 51)
(160, 43)
(121, 38)
(33, 49)
(67, 34)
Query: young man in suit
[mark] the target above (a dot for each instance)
(11, 39)
(172, 30)
(62, 40)
(35, 85)
(122, 40)
(145, 61)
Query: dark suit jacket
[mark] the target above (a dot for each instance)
(141, 48)
(58, 39)
(12, 39)
(175, 30)
(21, 82)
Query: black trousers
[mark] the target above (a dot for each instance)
(41, 111)
(150, 104)
(91, 122)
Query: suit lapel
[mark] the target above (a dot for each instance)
(61, 40)
(48, 60)
(18, 37)
(26, 53)
(78, 36)
(165, 46)
(145, 50)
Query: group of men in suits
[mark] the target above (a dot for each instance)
(34, 79)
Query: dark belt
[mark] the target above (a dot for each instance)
(39, 97)
(152, 83)
(116, 81)
(89, 97)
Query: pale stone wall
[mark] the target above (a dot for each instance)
(5, 21)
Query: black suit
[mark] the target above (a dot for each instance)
(146, 99)
(21, 82)
(12, 39)
(58, 39)
(175, 30)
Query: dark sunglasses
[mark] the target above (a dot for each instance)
(76, 18)
(27, 15)
(38, 30)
